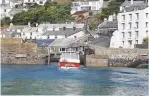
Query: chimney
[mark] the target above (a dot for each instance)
(105, 19)
(11, 24)
(36, 24)
(110, 18)
(29, 24)
(131, 2)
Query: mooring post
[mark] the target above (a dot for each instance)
(48, 56)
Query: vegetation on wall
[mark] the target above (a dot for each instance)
(113, 7)
(145, 40)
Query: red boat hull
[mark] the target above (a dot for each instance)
(69, 64)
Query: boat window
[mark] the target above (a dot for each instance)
(70, 55)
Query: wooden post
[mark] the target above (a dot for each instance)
(48, 56)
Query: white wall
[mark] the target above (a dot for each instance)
(95, 5)
(115, 40)
(141, 28)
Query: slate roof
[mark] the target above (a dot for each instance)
(137, 5)
(67, 32)
(3, 1)
(102, 41)
(5, 6)
(108, 24)
(61, 25)
(16, 1)
(79, 12)
(93, 33)
(18, 26)
(126, 3)
(44, 42)
(62, 42)
(69, 42)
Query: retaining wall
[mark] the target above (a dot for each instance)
(34, 54)
(118, 57)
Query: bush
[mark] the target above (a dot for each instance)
(145, 40)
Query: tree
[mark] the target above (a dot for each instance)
(50, 12)
(5, 21)
(93, 26)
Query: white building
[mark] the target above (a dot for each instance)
(39, 2)
(86, 5)
(133, 24)
(59, 31)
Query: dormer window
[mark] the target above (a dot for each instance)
(48, 37)
(64, 28)
(136, 7)
(74, 28)
(53, 29)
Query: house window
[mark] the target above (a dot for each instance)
(136, 41)
(130, 17)
(41, 2)
(55, 36)
(48, 37)
(4, 10)
(64, 28)
(130, 42)
(75, 36)
(123, 25)
(74, 28)
(123, 34)
(62, 49)
(137, 25)
(129, 34)
(94, 8)
(147, 16)
(146, 24)
(53, 29)
(146, 32)
(65, 36)
(123, 17)
(129, 25)
(123, 43)
(137, 16)
(28, 0)
(33, 0)
(31, 33)
(137, 34)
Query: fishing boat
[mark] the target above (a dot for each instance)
(69, 60)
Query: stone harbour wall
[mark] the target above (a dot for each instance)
(96, 61)
(29, 59)
(22, 53)
(118, 57)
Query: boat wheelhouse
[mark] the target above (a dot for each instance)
(69, 59)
